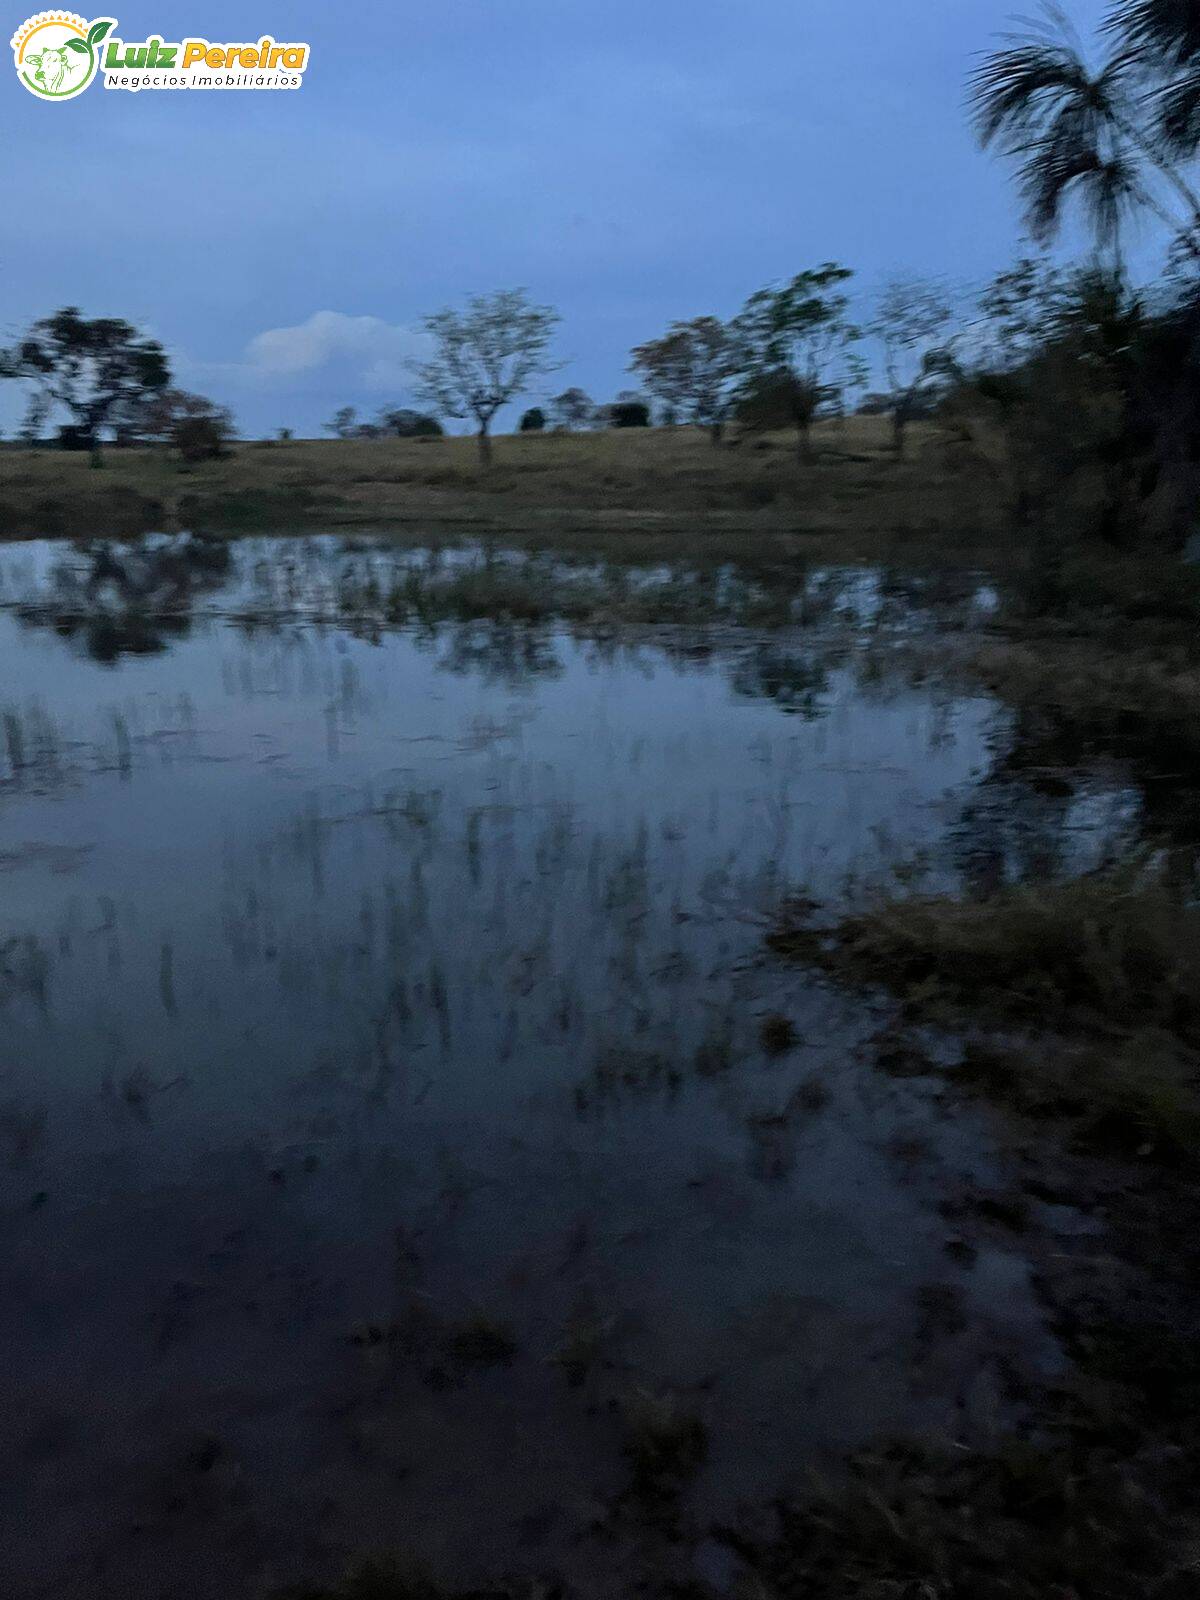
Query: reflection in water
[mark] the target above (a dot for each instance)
(128, 600)
(395, 1094)
(797, 682)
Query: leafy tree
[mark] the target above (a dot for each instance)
(572, 409)
(344, 423)
(1088, 406)
(800, 347)
(196, 426)
(201, 438)
(629, 410)
(88, 368)
(913, 323)
(1019, 306)
(533, 420)
(629, 414)
(485, 357)
(694, 368)
(1078, 133)
(776, 398)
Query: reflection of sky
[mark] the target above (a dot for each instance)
(297, 767)
(263, 804)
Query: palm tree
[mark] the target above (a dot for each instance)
(1164, 37)
(1078, 134)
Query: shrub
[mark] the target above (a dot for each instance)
(403, 423)
(629, 414)
(200, 438)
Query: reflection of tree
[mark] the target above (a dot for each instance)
(1023, 821)
(797, 683)
(501, 651)
(1014, 826)
(129, 600)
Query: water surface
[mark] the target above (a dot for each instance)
(359, 980)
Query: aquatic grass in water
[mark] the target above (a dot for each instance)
(1111, 948)
(1098, 978)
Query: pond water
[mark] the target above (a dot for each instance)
(384, 1109)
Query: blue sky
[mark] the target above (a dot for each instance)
(627, 162)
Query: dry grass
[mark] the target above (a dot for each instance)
(1023, 1523)
(1113, 949)
(1100, 974)
(635, 489)
(1143, 702)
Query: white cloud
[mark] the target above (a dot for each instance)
(364, 353)
(378, 350)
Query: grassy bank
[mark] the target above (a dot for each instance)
(1074, 1007)
(632, 491)
(1094, 981)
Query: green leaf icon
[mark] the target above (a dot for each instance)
(97, 31)
(77, 44)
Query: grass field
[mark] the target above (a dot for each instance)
(629, 493)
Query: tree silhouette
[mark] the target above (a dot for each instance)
(913, 324)
(573, 408)
(694, 368)
(799, 348)
(485, 357)
(1163, 36)
(91, 369)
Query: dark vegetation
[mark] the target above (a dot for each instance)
(1115, 949)
(1090, 983)
(393, 422)
(1074, 1007)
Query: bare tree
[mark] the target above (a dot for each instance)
(693, 368)
(484, 357)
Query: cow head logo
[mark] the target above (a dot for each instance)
(57, 53)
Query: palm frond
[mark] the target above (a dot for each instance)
(1019, 89)
(1165, 33)
(1179, 112)
(1064, 168)
(1015, 89)
(1078, 132)
(1162, 39)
